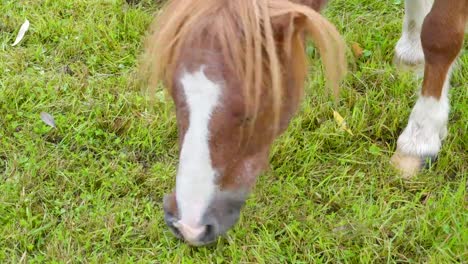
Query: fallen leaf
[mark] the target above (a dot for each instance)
(341, 122)
(357, 50)
(21, 32)
(48, 119)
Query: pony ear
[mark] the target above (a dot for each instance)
(293, 22)
(287, 27)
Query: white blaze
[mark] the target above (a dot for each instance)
(195, 185)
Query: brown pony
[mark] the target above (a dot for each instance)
(432, 38)
(236, 70)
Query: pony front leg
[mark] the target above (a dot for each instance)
(442, 38)
(408, 50)
(421, 140)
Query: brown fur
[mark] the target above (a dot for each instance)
(245, 32)
(442, 39)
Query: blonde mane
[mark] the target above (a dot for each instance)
(245, 32)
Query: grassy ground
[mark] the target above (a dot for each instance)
(91, 190)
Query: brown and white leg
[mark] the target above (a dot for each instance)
(442, 38)
(408, 50)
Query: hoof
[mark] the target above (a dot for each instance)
(410, 165)
(416, 67)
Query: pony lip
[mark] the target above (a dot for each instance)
(198, 236)
(190, 234)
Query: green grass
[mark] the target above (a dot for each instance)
(91, 190)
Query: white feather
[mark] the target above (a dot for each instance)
(21, 33)
(48, 119)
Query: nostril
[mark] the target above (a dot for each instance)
(174, 230)
(170, 220)
(209, 230)
(209, 235)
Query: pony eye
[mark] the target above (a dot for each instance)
(246, 119)
(243, 120)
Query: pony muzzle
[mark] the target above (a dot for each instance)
(195, 236)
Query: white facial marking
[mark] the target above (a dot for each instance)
(195, 185)
(409, 49)
(427, 125)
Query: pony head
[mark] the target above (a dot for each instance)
(235, 70)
